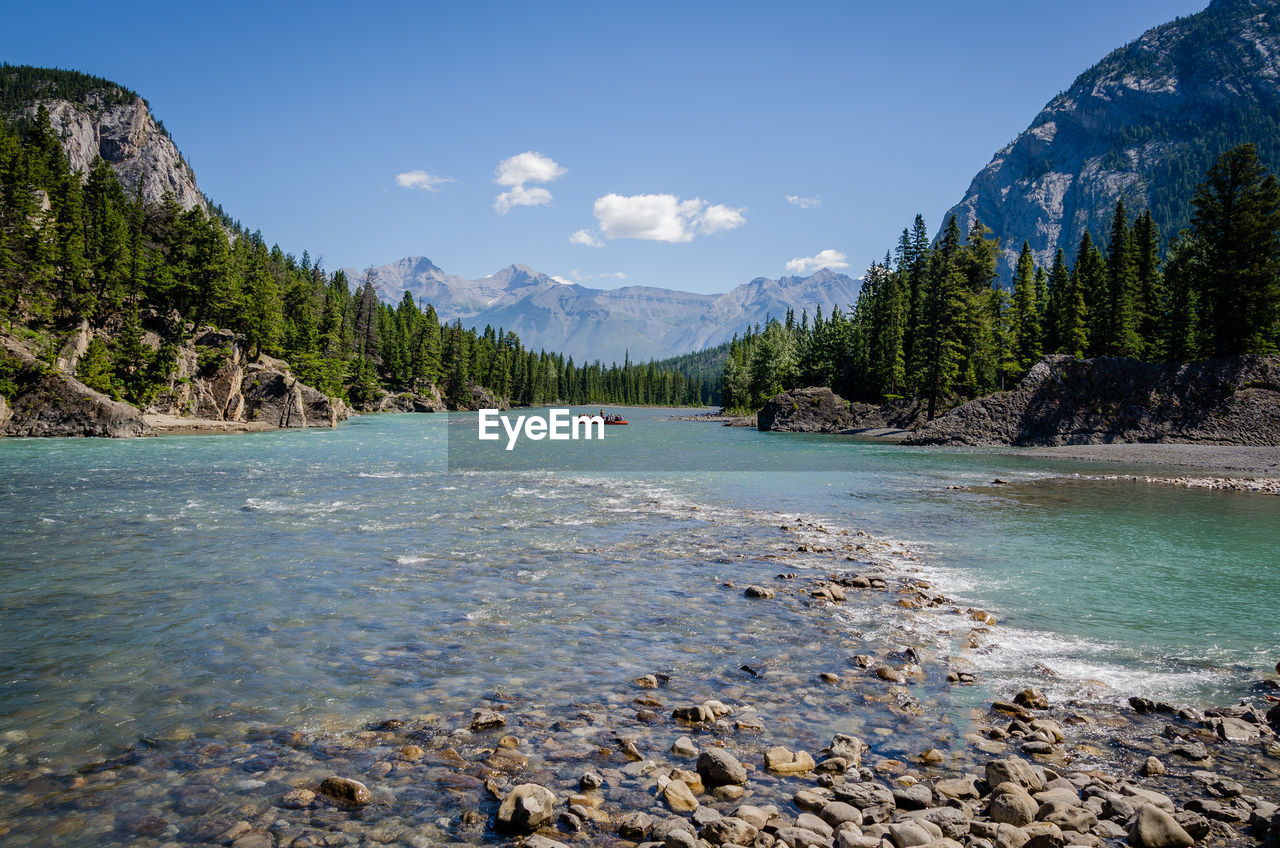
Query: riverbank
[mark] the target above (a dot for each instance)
(870, 735)
(177, 425)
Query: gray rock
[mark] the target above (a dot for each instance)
(1011, 807)
(1067, 816)
(1068, 401)
(798, 837)
(1013, 770)
(907, 834)
(717, 767)
(346, 791)
(848, 748)
(729, 829)
(526, 808)
(1154, 828)
(837, 813)
(635, 825)
(50, 403)
(814, 823)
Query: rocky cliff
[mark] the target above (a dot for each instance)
(213, 380)
(95, 117)
(1066, 401)
(1142, 125)
(48, 402)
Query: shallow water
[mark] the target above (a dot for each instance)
(202, 586)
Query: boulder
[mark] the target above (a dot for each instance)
(344, 790)
(526, 808)
(1154, 828)
(730, 830)
(717, 767)
(783, 761)
(281, 401)
(1013, 770)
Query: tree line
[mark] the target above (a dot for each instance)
(931, 322)
(79, 247)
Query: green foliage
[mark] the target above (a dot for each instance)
(936, 328)
(21, 85)
(10, 367)
(97, 369)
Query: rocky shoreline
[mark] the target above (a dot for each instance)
(748, 757)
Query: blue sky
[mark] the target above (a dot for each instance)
(611, 144)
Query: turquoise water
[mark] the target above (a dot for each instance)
(177, 586)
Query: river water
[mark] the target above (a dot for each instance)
(201, 586)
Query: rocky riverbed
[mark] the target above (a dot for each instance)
(860, 736)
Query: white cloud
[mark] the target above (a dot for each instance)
(663, 217)
(421, 180)
(720, 217)
(585, 237)
(825, 259)
(803, 202)
(562, 280)
(576, 276)
(515, 172)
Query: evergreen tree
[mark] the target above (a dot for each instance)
(1237, 218)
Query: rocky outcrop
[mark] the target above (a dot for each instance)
(127, 137)
(1134, 127)
(1066, 401)
(428, 400)
(280, 400)
(47, 402)
(819, 410)
(215, 379)
(482, 398)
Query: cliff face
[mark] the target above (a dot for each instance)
(1142, 125)
(213, 380)
(126, 137)
(1066, 401)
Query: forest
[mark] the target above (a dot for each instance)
(78, 247)
(931, 322)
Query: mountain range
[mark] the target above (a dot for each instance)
(643, 322)
(1142, 125)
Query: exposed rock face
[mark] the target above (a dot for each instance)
(281, 401)
(50, 403)
(819, 410)
(1065, 401)
(127, 138)
(215, 379)
(429, 400)
(1126, 125)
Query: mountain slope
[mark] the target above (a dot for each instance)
(643, 322)
(1142, 125)
(96, 117)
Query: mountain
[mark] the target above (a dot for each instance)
(96, 117)
(606, 324)
(1142, 125)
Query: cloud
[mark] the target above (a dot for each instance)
(421, 180)
(562, 280)
(825, 259)
(803, 202)
(515, 172)
(663, 217)
(586, 237)
(720, 217)
(576, 276)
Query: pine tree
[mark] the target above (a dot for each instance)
(1149, 296)
(1237, 216)
(1026, 313)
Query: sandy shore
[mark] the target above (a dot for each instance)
(176, 425)
(1219, 459)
